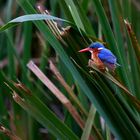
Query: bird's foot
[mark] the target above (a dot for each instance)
(100, 66)
(91, 63)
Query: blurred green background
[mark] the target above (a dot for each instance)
(81, 102)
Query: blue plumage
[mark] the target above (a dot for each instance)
(96, 45)
(100, 55)
(107, 56)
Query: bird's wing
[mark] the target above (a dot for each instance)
(107, 56)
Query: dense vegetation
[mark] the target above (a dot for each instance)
(47, 90)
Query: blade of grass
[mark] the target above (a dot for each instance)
(126, 8)
(88, 125)
(64, 100)
(38, 115)
(56, 92)
(11, 62)
(27, 37)
(65, 12)
(108, 133)
(30, 17)
(133, 58)
(23, 18)
(108, 98)
(68, 63)
(75, 15)
(13, 51)
(110, 38)
(128, 93)
(85, 4)
(27, 45)
(40, 112)
(133, 74)
(57, 47)
(133, 39)
(116, 13)
(79, 16)
(72, 94)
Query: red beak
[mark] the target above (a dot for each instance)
(84, 50)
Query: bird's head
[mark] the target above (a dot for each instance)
(93, 47)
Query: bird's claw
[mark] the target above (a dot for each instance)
(91, 63)
(101, 67)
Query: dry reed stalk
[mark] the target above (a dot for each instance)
(63, 99)
(8, 133)
(67, 87)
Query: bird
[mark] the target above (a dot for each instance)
(101, 57)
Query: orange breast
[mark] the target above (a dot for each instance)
(96, 60)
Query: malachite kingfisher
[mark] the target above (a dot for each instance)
(101, 57)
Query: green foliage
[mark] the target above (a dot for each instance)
(114, 96)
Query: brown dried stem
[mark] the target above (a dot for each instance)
(8, 133)
(67, 87)
(51, 23)
(133, 39)
(64, 100)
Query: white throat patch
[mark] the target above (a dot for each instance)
(100, 48)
